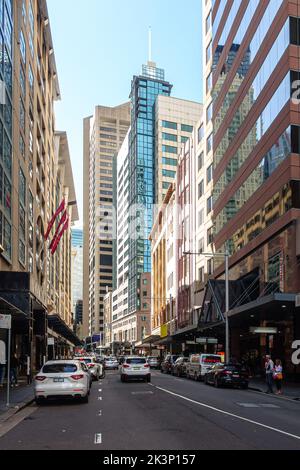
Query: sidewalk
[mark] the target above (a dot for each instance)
(289, 390)
(19, 398)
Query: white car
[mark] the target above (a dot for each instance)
(96, 369)
(200, 364)
(135, 368)
(63, 379)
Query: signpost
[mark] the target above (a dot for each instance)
(5, 324)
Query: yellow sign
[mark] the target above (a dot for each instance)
(164, 331)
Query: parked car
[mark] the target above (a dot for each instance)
(228, 374)
(135, 368)
(179, 367)
(200, 364)
(96, 369)
(63, 379)
(153, 362)
(167, 363)
(111, 363)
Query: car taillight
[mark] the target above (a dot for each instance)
(126, 366)
(227, 372)
(91, 365)
(77, 377)
(40, 378)
(147, 365)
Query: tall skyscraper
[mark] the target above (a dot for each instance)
(104, 133)
(144, 91)
(77, 267)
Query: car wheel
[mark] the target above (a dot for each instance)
(217, 384)
(39, 401)
(122, 378)
(85, 399)
(161, 371)
(196, 377)
(245, 386)
(148, 379)
(178, 373)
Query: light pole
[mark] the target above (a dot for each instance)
(227, 305)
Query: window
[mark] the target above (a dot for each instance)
(208, 23)
(169, 149)
(210, 267)
(200, 217)
(201, 274)
(169, 161)
(200, 189)
(210, 236)
(200, 161)
(209, 143)
(209, 83)
(169, 174)
(170, 137)
(209, 173)
(200, 133)
(209, 52)
(186, 128)
(22, 46)
(201, 245)
(169, 125)
(209, 112)
(209, 205)
(105, 260)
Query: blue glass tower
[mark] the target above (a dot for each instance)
(144, 91)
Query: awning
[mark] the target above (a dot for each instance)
(8, 309)
(56, 323)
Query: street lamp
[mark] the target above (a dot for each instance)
(227, 306)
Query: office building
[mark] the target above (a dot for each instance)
(77, 266)
(256, 208)
(104, 133)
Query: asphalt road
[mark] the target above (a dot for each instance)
(168, 414)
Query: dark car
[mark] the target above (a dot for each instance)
(234, 375)
(167, 363)
(179, 367)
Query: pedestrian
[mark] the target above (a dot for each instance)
(14, 365)
(269, 368)
(278, 376)
(2, 362)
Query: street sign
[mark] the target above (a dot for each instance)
(51, 342)
(5, 322)
(297, 301)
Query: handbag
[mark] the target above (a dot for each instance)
(278, 376)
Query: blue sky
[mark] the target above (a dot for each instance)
(100, 44)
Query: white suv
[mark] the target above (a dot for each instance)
(135, 367)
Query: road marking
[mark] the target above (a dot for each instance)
(100, 398)
(268, 405)
(98, 439)
(248, 405)
(100, 390)
(241, 418)
(142, 393)
(100, 413)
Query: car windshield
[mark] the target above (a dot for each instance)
(152, 359)
(59, 368)
(87, 360)
(136, 360)
(174, 358)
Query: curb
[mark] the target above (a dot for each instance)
(259, 390)
(16, 409)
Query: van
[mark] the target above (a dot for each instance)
(200, 364)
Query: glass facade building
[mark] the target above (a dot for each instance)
(6, 60)
(144, 91)
(251, 70)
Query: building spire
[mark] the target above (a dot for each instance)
(150, 45)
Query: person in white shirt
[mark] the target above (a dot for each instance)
(278, 376)
(269, 367)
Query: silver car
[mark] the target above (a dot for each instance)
(111, 363)
(153, 362)
(96, 370)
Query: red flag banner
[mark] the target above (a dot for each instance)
(52, 221)
(62, 221)
(58, 238)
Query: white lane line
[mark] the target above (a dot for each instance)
(100, 413)
(98, 439)
(227, 413)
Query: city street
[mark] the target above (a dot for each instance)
(168, 414)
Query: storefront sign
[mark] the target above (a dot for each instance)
(5, 322)
(50, 341)
(263, 330)
(164, 331)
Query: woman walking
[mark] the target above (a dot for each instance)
(278, 376)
